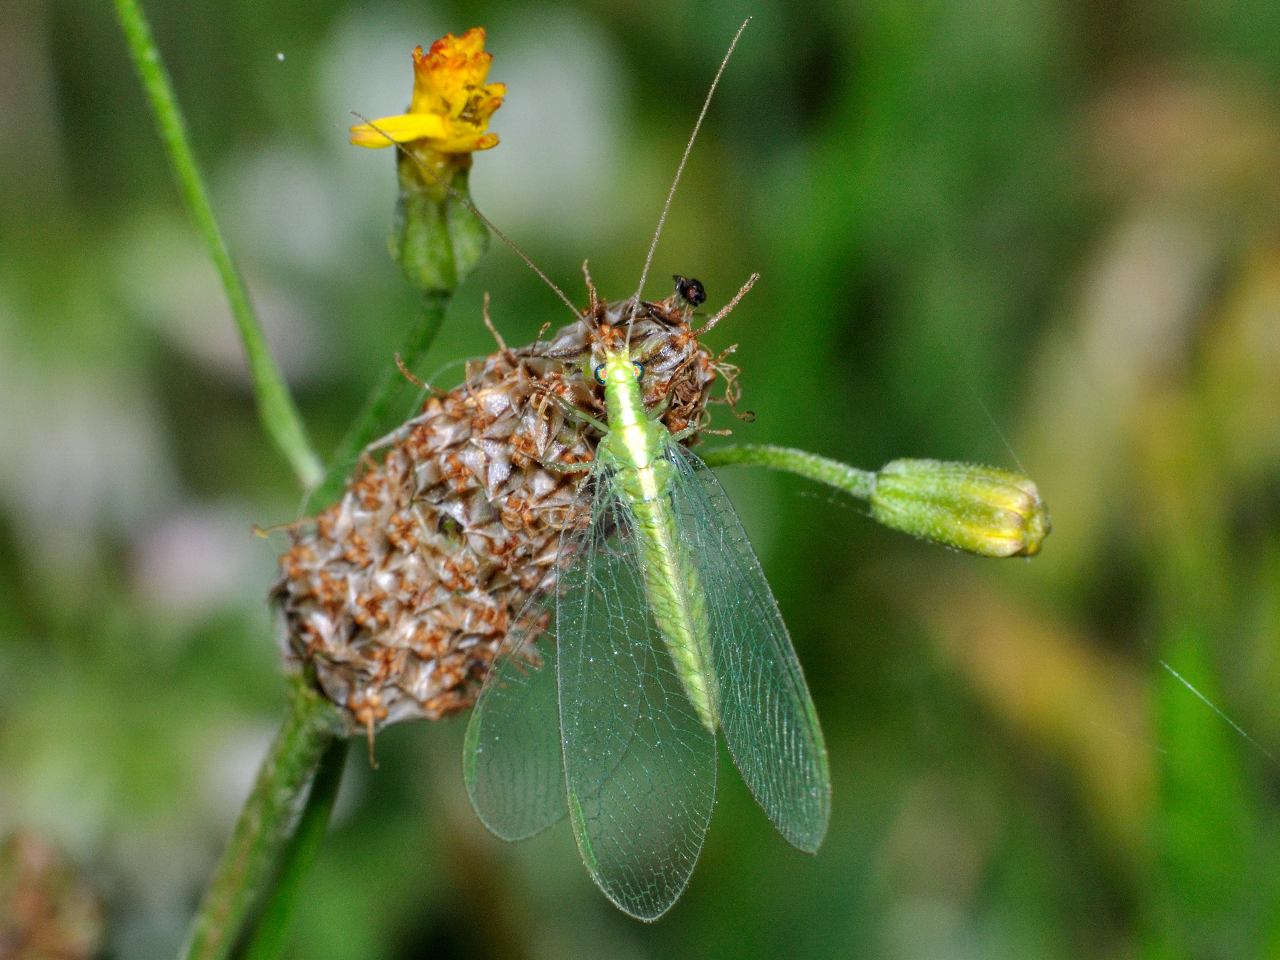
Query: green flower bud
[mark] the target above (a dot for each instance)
(982, 510)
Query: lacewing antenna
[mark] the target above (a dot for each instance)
(728, 307)
(675, 181)
(466, 202)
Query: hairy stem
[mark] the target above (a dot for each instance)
(851, 480)
(266, 824)
(276, 408)
(272, 929)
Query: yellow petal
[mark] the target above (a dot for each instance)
(466, 143)
(451, 104)
(402, 128)
(470, 42)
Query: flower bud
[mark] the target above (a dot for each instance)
(982, 510)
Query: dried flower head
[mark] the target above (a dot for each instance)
(451, 104)
(398, 597)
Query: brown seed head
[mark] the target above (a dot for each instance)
(399, 595)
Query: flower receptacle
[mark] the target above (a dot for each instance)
(436, 239)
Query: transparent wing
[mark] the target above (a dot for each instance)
(511, 759)
(766, 712)
(639, 764)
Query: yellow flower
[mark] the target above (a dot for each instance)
(451, 104)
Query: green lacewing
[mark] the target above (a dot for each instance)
(659, 631)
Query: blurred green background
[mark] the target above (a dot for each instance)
(1032, 233)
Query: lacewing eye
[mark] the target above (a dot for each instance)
(636, 365)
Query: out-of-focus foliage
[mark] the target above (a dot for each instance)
(1045, 233)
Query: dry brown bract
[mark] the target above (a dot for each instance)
(48, 911)
(399, 596)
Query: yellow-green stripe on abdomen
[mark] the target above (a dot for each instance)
(675, 597)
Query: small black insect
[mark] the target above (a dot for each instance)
(690, 290)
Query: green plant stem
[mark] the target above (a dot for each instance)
(276, 408)
(273, 845)
(372, 418)
(270, 933)
(291, 857)
(851, 480)
(266, 824)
